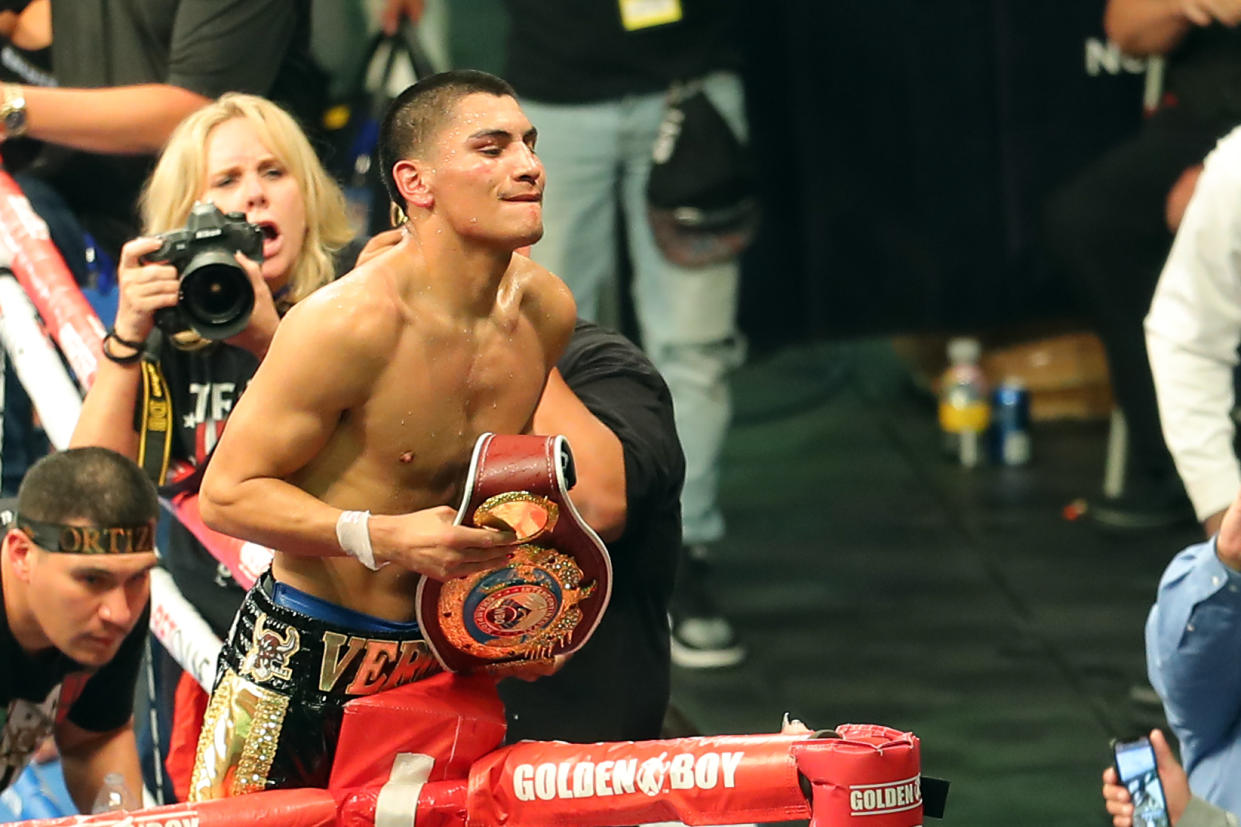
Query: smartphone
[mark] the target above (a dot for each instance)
(1135, 764)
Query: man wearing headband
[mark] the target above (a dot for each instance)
(75, 566)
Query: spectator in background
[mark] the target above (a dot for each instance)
(128, 72)
(1192, 634)
(1111, 226)
(593, 77)
(615, 410)
(75, 616)
(245, 154)
(1193, 331)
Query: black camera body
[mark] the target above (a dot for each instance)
(215, 298)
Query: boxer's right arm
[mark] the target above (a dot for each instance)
(322, 361)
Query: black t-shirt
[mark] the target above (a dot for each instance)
(574, 51)
(616, 686)
(206, 46)
(204, 385)
(30, 688)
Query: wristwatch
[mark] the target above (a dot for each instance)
(12, 110)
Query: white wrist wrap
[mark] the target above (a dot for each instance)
(354, 535)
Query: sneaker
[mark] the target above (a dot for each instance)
(702, 638)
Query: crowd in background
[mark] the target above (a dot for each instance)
(1152, 219)
(195, 80)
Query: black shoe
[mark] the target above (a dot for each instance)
(702, 638)
(1144, 507)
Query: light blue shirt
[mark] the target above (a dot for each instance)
(1193, 658)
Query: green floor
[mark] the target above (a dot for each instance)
(876, 582)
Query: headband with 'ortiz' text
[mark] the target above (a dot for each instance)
(77, 539)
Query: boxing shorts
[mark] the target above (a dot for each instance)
(283, 680)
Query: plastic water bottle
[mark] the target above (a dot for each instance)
(964, 411)
(113, 795)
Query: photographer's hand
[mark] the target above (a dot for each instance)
(143, 289)
(107, 417)
(257, 335)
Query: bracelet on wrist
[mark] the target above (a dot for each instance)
(120, 360)
(112, 334)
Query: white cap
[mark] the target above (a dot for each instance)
(963, 350)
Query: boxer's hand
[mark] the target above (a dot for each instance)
(429, 543)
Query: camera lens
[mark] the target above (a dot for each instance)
(216, 296)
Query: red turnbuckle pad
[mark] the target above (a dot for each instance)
(870, 775)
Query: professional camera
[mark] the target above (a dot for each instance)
(215, 299)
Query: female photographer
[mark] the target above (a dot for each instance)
(243, 154)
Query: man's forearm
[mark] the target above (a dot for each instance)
(122, 120)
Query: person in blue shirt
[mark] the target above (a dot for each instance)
(1193, 634)
(1192, 637)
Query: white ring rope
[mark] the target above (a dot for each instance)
(38, 364)
(56, 297)
(42, 272)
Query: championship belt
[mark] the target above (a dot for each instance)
(547, 599)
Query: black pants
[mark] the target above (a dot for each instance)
(1107, 228)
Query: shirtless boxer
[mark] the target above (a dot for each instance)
(356, 433)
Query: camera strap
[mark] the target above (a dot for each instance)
(155, 433)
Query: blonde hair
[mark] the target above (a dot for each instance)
(180, 176)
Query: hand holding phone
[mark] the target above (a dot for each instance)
(1136, 766)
